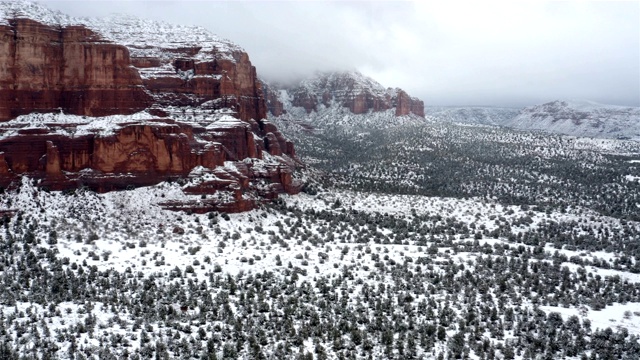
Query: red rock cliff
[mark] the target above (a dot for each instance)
(216, 83)
(144, 152)
(271, 96)
(188, 66)
(406, 104)
(45, 68)
(204, 122)
(354, 91)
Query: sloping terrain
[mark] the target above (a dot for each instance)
(473, 241)
(577, 118)
(580, 118)
(439, 159)
(472, 114)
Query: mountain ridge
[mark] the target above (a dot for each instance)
(580, 118)
(568, 117)
(349, 89)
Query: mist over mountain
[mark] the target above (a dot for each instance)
(330, 91)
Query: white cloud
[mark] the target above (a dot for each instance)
(453, 52)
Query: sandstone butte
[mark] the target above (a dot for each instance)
(124, 102)
(352, 90)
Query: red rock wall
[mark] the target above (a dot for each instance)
(417, 107)
(238, 141)
(144, 149)
(7, 73)
(146, 153)
(362, 103)
(358, 103)
(406, 105)
(274, 105)
(233, 83)
(43, 69)
(139, 154)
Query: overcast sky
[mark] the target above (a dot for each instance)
(508, 53)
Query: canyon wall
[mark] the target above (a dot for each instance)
(118, 104)
(45, 68)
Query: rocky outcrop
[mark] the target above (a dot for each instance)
(216, 83)
(71, 99)
(118, 65)
(45, 68)
(406, 104)
(188, 66)
(131, 154)
(274, 104)
(354, 91)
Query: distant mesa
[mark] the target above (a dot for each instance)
(122, 102)
(349, 89)
(580, 118)
(569, 117)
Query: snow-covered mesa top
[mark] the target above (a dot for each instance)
(77, 125)
(26, 9)
(144, 38)
(342, 83)
(357, 81)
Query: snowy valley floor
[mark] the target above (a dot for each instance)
(337, 274)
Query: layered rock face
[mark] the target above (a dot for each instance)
(354, 91)
(272, 97)
(116, 103)
(45, 68)
(65, 153)
(406, 104)
(188, 66)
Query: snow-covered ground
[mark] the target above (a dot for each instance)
(128, 233)
(472, 114)
(576, 117)
(613, 316)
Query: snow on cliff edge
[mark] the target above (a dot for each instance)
(144, 38)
